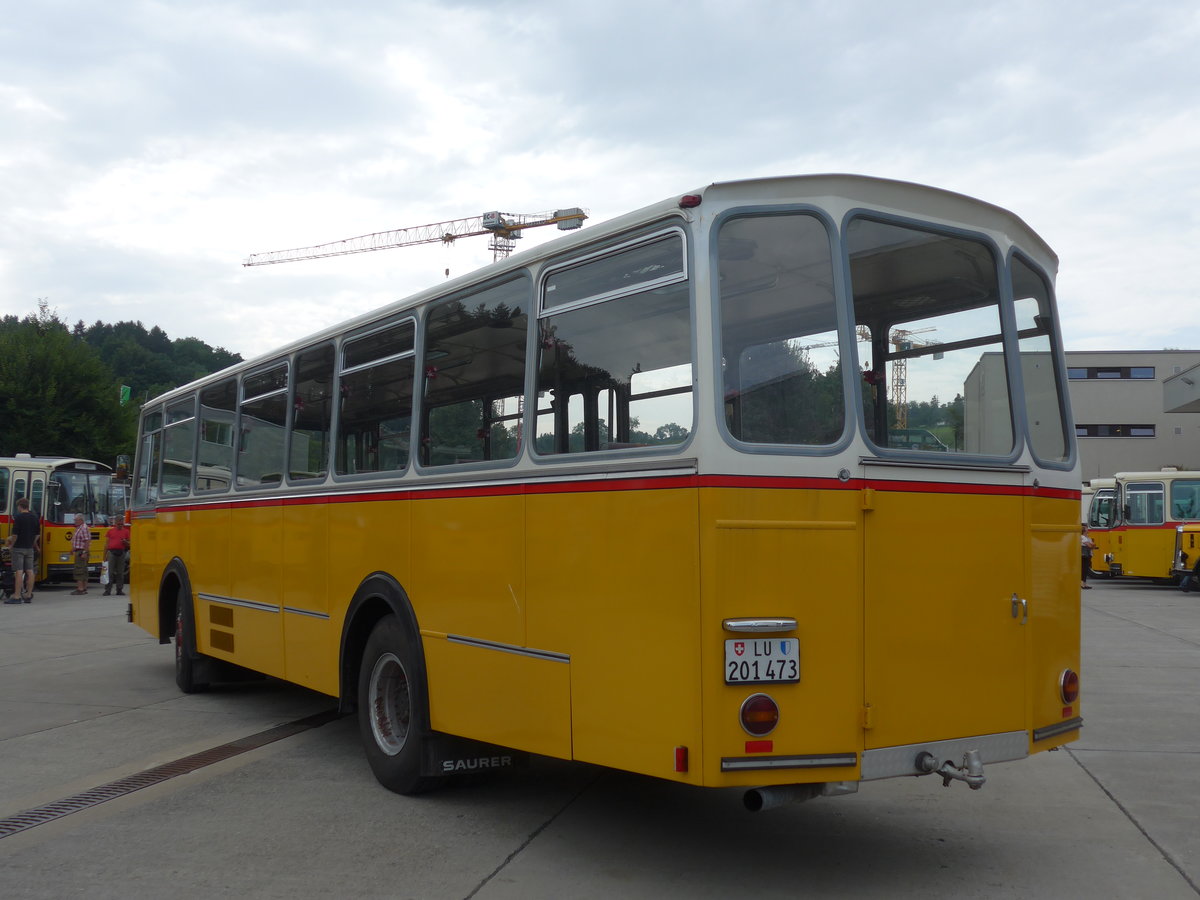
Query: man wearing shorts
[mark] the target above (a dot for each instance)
(27, 531)
(81, 543)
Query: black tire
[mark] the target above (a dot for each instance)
(186, 667)
(393, 708)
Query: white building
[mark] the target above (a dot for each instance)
(1134, 410)
(1118, 400)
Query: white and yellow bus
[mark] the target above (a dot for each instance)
(57, 487)
(1150, 508)
(630, 498)
(1099, 513)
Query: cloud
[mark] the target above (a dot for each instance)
(151, 146)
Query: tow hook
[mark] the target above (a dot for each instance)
(971, 770)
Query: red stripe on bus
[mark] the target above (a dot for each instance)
(633, 483)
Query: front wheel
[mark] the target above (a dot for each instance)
(393, 708)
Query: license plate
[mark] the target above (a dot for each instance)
(762, 660)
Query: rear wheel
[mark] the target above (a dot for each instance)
(393, 710)
(186, 667)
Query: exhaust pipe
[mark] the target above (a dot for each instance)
(758, 799)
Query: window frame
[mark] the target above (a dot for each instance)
(420, 412)
(1006, 346)
(844, 330)
(278, 362)
(643, 236)
(233, 433)
(412, 316)
(293, 385)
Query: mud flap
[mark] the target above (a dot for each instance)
(444, 754)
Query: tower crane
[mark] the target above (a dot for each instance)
(504, 228)
(902, 340)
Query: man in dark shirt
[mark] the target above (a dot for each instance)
(27, 530)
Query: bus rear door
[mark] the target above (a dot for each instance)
(944, 643)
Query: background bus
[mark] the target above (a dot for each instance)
(1098, 509)
(632, 498)
(1150, 507)
(57, 488)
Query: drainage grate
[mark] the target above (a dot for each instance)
(31, 818)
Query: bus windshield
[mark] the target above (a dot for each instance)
(80, 492)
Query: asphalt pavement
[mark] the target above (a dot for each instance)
(87, 700)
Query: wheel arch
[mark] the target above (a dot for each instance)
(378, 595)
(174, 578)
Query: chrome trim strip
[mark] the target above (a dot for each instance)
(935, 464)
(644, 468)
(1040, 734)
(753, 625)
(548, 655)
(812, 761)
(888, 762)
(245, 604)
(306, 612)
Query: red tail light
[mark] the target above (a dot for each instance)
(1068, 686)
(759, 715)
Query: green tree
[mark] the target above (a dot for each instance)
(57, 398)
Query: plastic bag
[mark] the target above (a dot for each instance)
(104, 572)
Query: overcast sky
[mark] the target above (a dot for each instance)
(147, 148)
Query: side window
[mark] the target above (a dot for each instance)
(312, 414)
(615, 351)
(3, 489)
(1185, 500)
(780, 359)
(179, 437)
(1144, 503)
(1039, 369)
(375, 401)
(145, 490)
(1101, 512)
(261, 422)
(218, 414)
(474, 376)
(927, 315)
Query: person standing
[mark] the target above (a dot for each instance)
(117, 554)
(81, 543)
(1087, 545)
(27, 531)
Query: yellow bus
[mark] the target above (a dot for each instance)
(1099, 513)
(1187, 554)
(1150, 507)
(630, 498)
(57, 487)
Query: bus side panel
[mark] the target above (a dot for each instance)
(613, 583)
(310, 643)
(1145, 551)
(1053, 613)
(208, 567)
(502, 698)
(467, 580)
(247, 636)
(145, 572)
(792, 554)
(468, 567)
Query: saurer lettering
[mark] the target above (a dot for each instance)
(481, 762)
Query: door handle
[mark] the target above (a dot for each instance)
(1020, 606)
